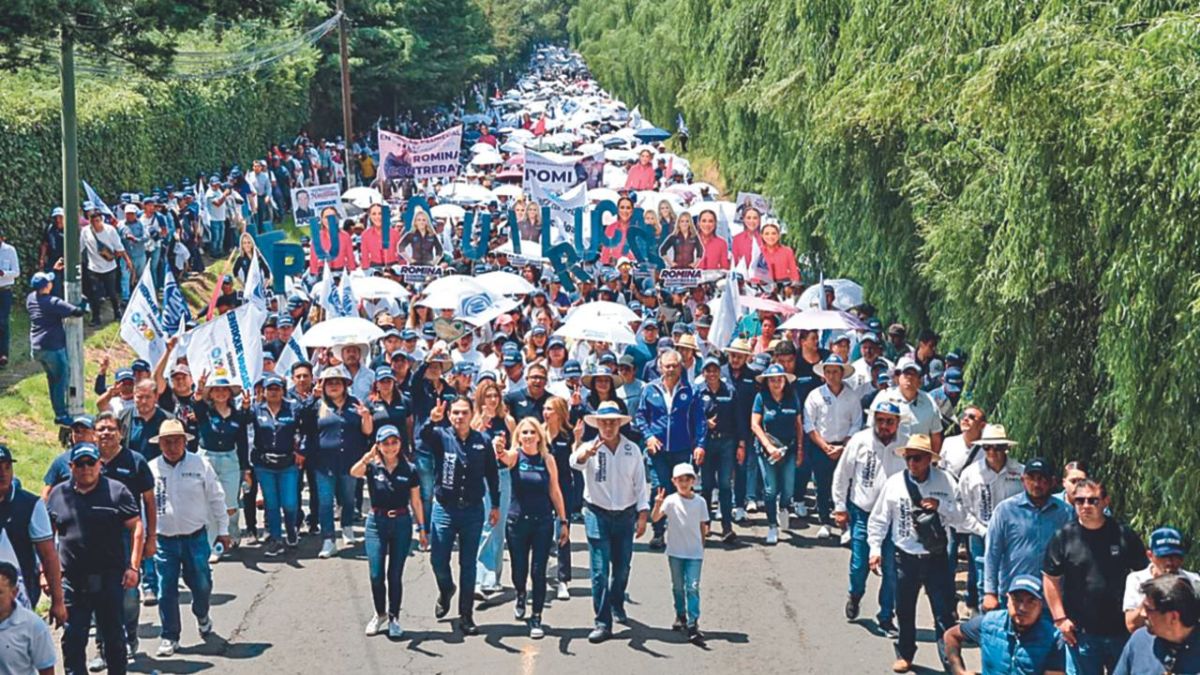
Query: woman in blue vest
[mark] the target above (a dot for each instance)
(223, 442)
(777, 426)
(536, 501)
(562, 440)
(276, 425)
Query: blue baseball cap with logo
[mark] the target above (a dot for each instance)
(83, 450)
(386, 432)
(954, 380)
(1026, 583)
(6, 454)
(572, 369)
(273, 380)
(384, 373)
(124, 375)
(85, 421)
(512, 358)
(1166, 541)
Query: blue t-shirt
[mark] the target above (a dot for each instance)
(779, 417)
(1145, 653)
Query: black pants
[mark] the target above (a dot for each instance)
(250, 504)
(529, 539)
(101, 286)
(913, 573)
(100, 596)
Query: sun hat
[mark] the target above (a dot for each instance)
(608, 410)
(775, 370)
(918, 442)
(171, 427)
(831, 361)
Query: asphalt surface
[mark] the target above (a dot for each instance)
(763, 609)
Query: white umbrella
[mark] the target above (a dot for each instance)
(614, 177)
(487, 158)
(602, 194)
(362, 197)
(345, 330)
(822, 319)
(446, 287)
(619, 155)
(530, 250)
(470, 300)
(505, 283)
(508, 190)
(603, 311)
(611, 332)
(846, 294)
(482, 147)
(448, 211)
(466, 193)
(372, 288)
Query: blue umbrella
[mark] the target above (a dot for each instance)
(652, 135)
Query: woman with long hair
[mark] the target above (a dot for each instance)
(423, 243)
(344, 259)
(372, 250)
(666, 215)
(619, 229)
(390, 405)
(776, 423)
(537, 502)
(276, 425)
(561, 439)
(716, 249)
(683, 243)
(492, 419)
(535, 343)
(247, 254)
(221, 430)
(418, 316)
(780, 258)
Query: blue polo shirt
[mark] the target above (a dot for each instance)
(276, 436)
(1018, 533)
(142, 430)
(391, 490)
(462, 467)
(779, 417)
(1145, 653)
(91, 528)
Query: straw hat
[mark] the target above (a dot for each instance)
(994, 434)
(920, 442)
(608, 410)
(169, 428)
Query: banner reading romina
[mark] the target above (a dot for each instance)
(420, 158)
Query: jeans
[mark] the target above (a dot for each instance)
(860, 554)
(130, 277)
(464, 523)
(229, 475)
(6, 301)
(685, 587)
(778, 484)
(388, 540)
(717, 474)
(746, 479)
(280, 490)
(216, 238)
(529, 540)
(427, 478)
(563, 553)
(913, 573)
(491, 545)
(1094, 654)
(610, 545)
(975, 545)
(339, 487)
(662, 464)
(104, 286)
(155, 260)
(54, 362)
(187, 554)
(101, 598)
(820, 467)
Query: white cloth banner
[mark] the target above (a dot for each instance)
(292, 353)
(229, 346)
(420, 158)
(725, 314)
(255, 290)
(549, 173)
(140, 326)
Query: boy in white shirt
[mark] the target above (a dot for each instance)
(687, 528)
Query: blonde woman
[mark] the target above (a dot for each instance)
(683, 243)
(491, 418)
(531, 521)
(423, 243)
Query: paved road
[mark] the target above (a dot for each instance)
(764, 610)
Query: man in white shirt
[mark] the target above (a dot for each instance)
(215, 198)
(831, 413)
(616, 505)
(959, 450)
(26, 644)
(863, 382)
(187, 496)
(102, 249)
(870, 458)
(10, 271)
(983, 485)
(919, 415)
(1166, 557)
(920, 540)
(465, 352)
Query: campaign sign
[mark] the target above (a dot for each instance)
(681, 277)
(419, 273)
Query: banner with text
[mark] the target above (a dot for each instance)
(316, 201)
(420, 158)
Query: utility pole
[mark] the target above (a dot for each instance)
(70, 200)
(344, 48)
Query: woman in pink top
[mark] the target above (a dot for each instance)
(641, 175)
(743, 243)
(345, 252)
(716, 251)
(780, 259)
(610, 254)
(374, 254)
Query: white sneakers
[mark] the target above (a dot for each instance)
(772, 535)
(752, 507)
(739, 514)
(377, 624)
(166, 648)
(327, 549)
(394, 629)
(348, 536)
(563, 592)
(845, 538)
(800, 509)
(824, 532)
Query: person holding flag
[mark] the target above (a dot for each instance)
(140, 325)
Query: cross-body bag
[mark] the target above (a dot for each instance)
(927, 524)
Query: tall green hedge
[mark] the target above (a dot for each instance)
(135, 134)
(1021, 176)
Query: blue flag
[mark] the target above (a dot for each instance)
(175, 311)
(681, 127)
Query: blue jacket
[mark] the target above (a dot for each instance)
(1004, 651)
(681, 430)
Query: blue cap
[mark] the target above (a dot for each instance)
(760, 361)
(572, 369)
(41, 280)
(711, 361)
(268, 355)
(408, 334)
(512, 358)
(538, 330)
(57, 211)
(556, 341)
(391, 332)
(665, 343)
(607, 359)
(273, 380)
(486, 375)
(1038, 465)
(649, 323)
(6, 454)
(285, 321)
(295, 302)
(954, 357)
(953, 380)
(124, 374)
(463, 368)
(1026, 583)
(385, 432)
(384, 373)
(774, 370)
(647, 286)
(679, 328)
(428, 332)
(1166, 541)
(82, 450)
(883, 377)
(85, 421)
(885, 407)
(871, 337)
(838, 337)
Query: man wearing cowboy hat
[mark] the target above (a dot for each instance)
(738, 373)
(982, 486)
(917, 529)
(616, 505)
(831, 414)
(869, 459)
(188, 496)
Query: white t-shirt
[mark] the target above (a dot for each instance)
(215, 211)
(1133, 586)
(684, 517)
(26, 645)
(92, 243)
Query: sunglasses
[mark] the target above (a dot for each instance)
(971, 416)
(909, 459)
(84, 463)
(1087, 500)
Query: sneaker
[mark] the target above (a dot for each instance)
(205, 626)
(395, 632)
(252, 535)
(274, 548)
(97, 663)
(852, 607)
(348, 537)
(729, 537)
(824, 532)
(901, 666)
(166, 648)
(327, 549)
(131, 648)
(599, 634)
(293, 540)
(772, 535)
(739, 514)
(467, 625)
(149, 598)
(443, 605)
(657, 543)
(563, 592)
(695, 636)
(889, 629)
(680, 623)
(535, 628)
(800, 509)
(751, 507)
(214, 558)
(376, 625)
(844, 540)
(519, 607)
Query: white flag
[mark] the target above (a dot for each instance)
(328, 299)
(255, 291)
(292, 353)
(140, 326)
(725, 315)
(229, 346)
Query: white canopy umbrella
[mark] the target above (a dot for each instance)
(470, 300)
(530, 250)
(362, 197)
(601, 331)
(508, 190)
(466, 193)
(482, 147)
(448, 211)
(614, 177)
(345, 330)
(520, 135)
(488, 157)
(602, 194)
(372, 288)
(846, 294)
(822, 319)
(619, 155)
(505, 283)
(601, 311)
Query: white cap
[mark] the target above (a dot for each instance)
(130, 208)
(683, 469)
